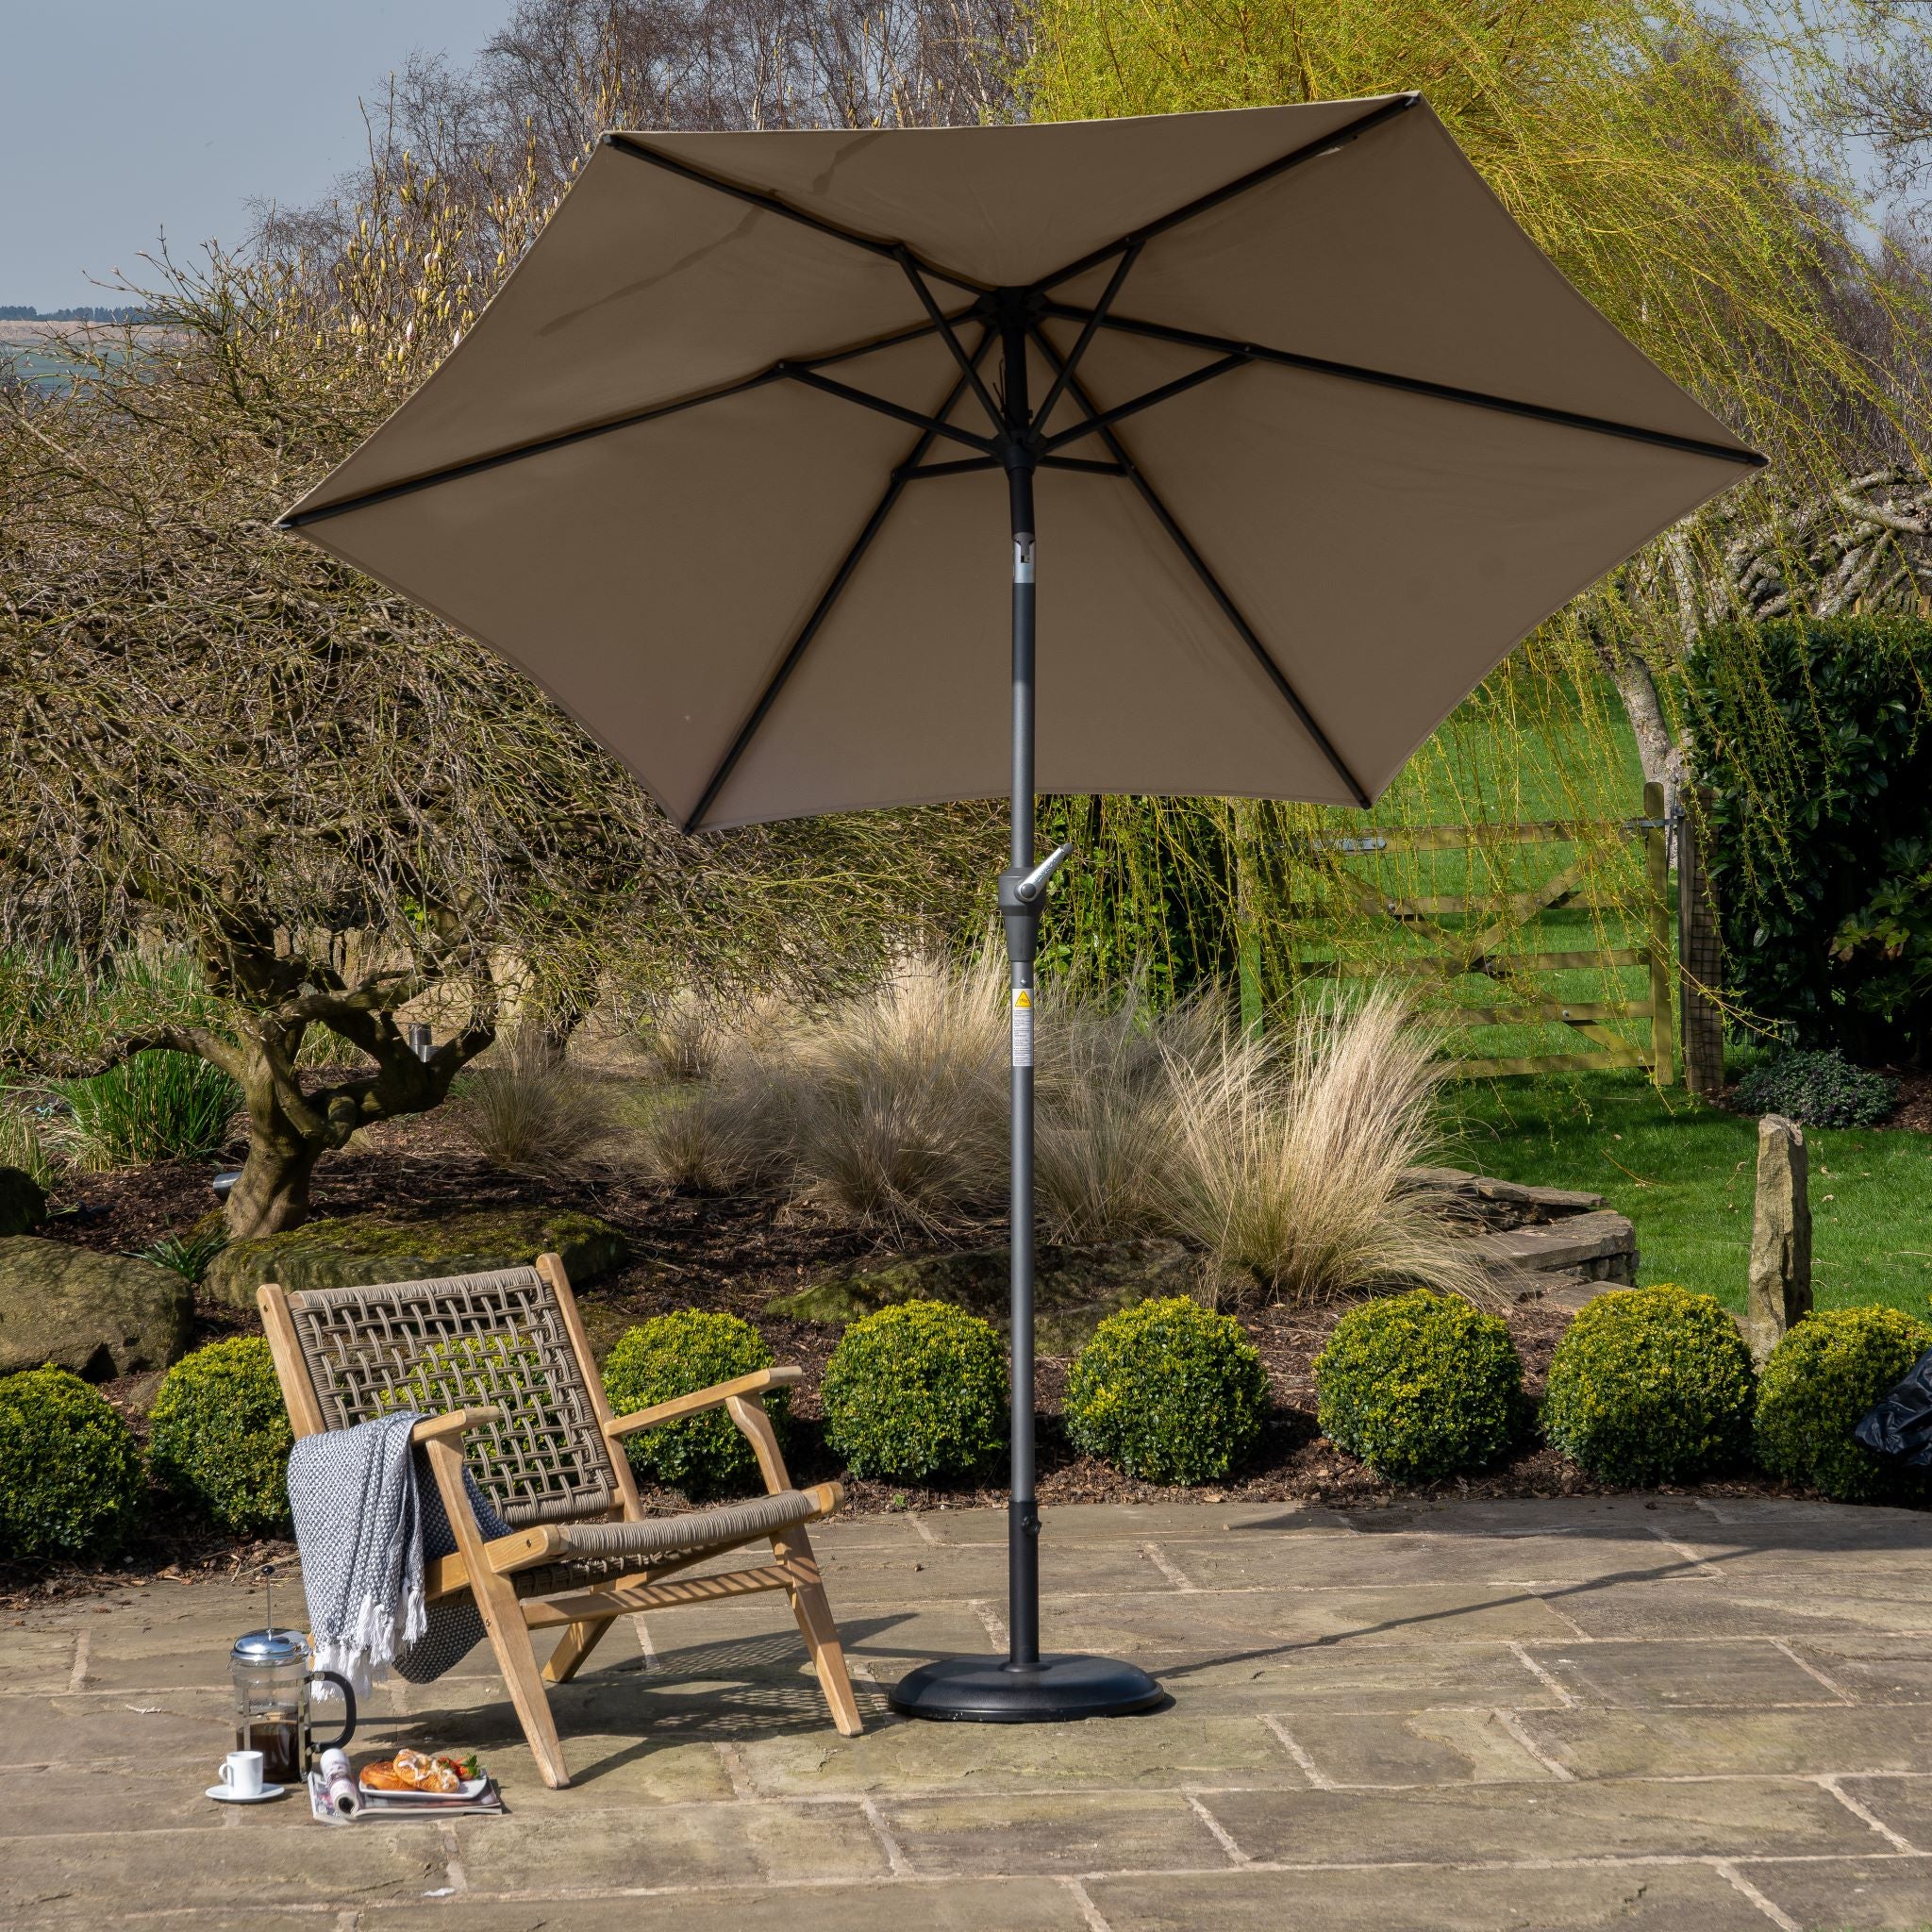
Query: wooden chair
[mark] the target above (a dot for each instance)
(504, 1355)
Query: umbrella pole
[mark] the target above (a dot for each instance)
(1023, 1686)
(1022, 922)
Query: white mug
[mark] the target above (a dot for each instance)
(241, 1773)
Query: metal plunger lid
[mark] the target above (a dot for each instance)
(262, 1648)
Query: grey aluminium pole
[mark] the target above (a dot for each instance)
(1022, 1510)
(1023, 1686)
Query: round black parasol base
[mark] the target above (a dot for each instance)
(1057, 1690)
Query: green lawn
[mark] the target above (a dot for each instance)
(1684, 1175)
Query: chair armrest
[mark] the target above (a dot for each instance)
(756, 1383)
(436, 1428)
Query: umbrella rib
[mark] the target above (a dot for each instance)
(933, 426)
(586, 432)
(1129, 256)
(1146, 400)
(1257, 177)
(771, 204)
(822, 608)
(969, 365)
(1212, 584)
(910, 470)
(1413, 385)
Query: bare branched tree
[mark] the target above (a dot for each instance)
(215, 738)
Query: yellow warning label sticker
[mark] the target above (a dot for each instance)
(1022, 1000)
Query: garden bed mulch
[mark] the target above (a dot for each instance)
(735, 1254)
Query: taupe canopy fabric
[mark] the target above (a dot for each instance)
(631, 480)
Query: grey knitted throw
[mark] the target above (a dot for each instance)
(367, 1515)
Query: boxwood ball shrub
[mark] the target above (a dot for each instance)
(1168, 1391)
(1650, 1385)
(1828, 1369)
(917, 1392)
(71, 1480)
(219, 1436)
(1419, 1385)
(677, 1354)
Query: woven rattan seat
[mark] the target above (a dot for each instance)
(500, 1363)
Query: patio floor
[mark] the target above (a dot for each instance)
(1538, 1714)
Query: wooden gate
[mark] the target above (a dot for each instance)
(1495, 943)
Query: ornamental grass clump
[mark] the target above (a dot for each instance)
(1420, 1386)
(1168, 1391)
(71, 1480)
(526, 1107)
(1829, 1369)
(677, 1354)
(917, 1393)
(1294, 1167)
(155, 1106)
(218, 1438)
(899, 1100)
(1650, 1385)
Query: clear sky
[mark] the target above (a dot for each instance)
(123, 118)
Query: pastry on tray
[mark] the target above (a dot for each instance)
(422, 1773)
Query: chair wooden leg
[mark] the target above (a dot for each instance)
(502, 1621)
(820, 1630)
(577, 1643)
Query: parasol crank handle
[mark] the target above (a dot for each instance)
(1035, 883)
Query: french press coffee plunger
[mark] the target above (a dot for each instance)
(272, 1678)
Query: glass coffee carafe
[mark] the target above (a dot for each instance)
(272, 1678)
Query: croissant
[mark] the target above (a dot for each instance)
(410, 1770)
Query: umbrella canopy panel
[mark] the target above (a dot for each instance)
(664, 472)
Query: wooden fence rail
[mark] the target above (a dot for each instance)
(1458, 954)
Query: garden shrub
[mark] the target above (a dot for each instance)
(1812, 735)
(71, 1480)
(675, 1355)
(1419, 1385)
(917, 1392)
(1828, 1369)
(1650, 1385)
(219, 1436)
(1168, 1391)
(1819, 1090)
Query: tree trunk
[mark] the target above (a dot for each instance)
(273, 1193)
(1657, 750)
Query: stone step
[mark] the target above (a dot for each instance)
(1600, 1244)
(1491, 1199)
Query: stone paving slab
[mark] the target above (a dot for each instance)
(1571, 1712)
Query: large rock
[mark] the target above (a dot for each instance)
(359, 1249)
(1074, 1288)
(100, 1315)
(1781, 1287)
(23, 1205)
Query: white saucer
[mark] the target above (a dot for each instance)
(226, 1794)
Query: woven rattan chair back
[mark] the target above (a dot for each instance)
(467, 1342)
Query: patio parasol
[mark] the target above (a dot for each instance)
(1314, 431)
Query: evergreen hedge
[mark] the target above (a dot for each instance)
(1828, 1369)
(1650, 1385)
(71, 1479)
(1168, 1391)
(219, 1436)
(1813, 734)
(677, 1354)
(1420, 1386)
(917, 1392)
